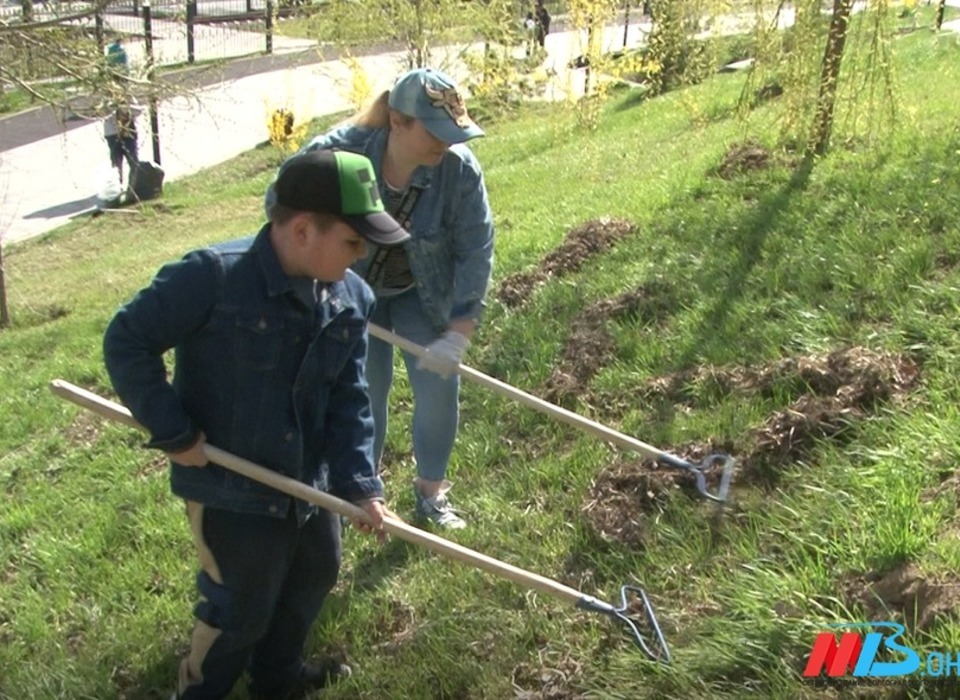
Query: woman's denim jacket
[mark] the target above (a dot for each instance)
(264, 374)
(451, 227)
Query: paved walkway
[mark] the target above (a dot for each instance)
(50, 174)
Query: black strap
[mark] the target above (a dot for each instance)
(402, 215)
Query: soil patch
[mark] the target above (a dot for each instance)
(84, 431)
(844, 388)
(621, 497)
(579, 245)
(743, 158)
(396, 625)
(157, 464)
(550, 679)
(629, 490)
(590, 347)
(917, 600)
(841, 388)
(859, 375)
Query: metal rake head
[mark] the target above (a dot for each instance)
(699, 472)
(640, 630)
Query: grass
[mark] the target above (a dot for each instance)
(776, 264)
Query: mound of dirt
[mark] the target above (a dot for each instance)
(624, 494)
(841, 388)
(913, 598)
(84, 431)
(742, 158)
(845, 387)
(589, 347)
(859, 376)
(579, 245)
(395, 626)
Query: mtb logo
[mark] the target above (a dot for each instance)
(856, 653)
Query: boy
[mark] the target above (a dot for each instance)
(270, 339)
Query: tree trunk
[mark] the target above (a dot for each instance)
(941, 8)
(626, 21)
(4, 311)
(26, 7)
(829, 75)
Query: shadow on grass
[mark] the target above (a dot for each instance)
(751, 238)
(388, 560)
(154, 682)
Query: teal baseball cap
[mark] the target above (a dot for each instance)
(340, 183)
(433, 98)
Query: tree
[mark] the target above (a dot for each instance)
(418, 25)
(4, 308)
(941, 9)
(830, 75)
(825, 69)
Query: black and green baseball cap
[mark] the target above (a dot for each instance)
(341, 183)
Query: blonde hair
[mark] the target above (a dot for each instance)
(377, 114)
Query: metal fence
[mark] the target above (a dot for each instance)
(187, 31)
(182, 31)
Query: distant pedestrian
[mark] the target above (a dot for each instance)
(542, 17)
(117, 56)
(120, 132)
(529, 32)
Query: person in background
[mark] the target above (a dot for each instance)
(530, 35)
(120, 133)
(117, 57)
(270, 337)
(542, 17)
(432, 289)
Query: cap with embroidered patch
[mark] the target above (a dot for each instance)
(433, 98)
(341, 183)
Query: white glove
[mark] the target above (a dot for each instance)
(444, 354)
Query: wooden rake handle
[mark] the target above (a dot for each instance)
(394, 526)
(726, 462)
(526, 399)
(292, 487)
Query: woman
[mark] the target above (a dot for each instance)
(431, 290)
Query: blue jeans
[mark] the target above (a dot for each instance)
(435, 399)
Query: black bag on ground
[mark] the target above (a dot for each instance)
(146, 181)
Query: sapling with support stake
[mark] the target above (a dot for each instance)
(645, 631)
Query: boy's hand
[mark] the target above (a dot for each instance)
(194, 456)
(375, 511)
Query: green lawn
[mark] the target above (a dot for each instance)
(803, 319)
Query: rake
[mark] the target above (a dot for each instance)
(697, 470)
(645, 631)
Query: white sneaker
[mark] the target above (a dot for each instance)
(437, 509)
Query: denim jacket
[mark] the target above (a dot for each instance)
(262, 370)
(451, 227)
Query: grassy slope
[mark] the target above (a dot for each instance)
(97, 574)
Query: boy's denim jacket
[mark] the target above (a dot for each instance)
(262, 373)
(451, 227)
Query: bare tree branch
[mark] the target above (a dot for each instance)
(6, 27)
